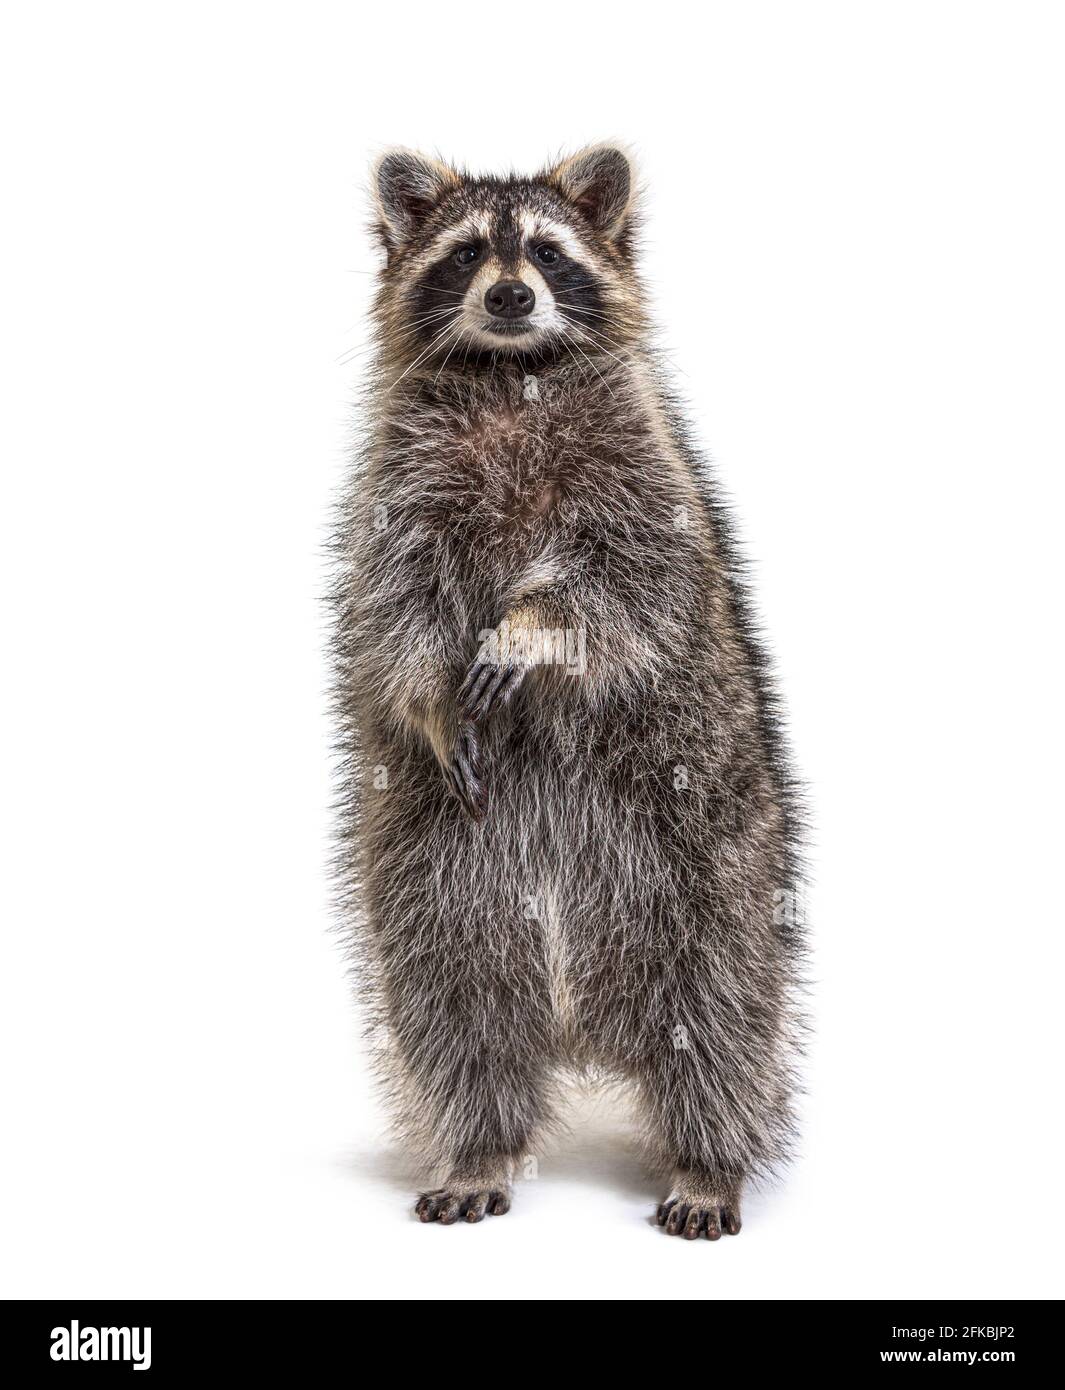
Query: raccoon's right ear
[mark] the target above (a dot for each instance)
(407, 186)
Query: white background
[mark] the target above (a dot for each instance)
(855, 232)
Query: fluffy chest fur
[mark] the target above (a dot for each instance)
(513, 481)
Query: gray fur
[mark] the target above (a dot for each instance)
(548, 869)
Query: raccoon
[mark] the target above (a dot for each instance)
(570, 836)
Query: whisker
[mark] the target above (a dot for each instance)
(591, 364)
(585, 328)
(438, 289)
(448, 312)
(457, 339)
(582, 309)
(439, 337)
(405, 333)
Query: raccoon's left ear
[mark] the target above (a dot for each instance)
(407, 186)
(601, 182)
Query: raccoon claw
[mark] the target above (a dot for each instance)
(448, 1207)
(488, 685)
(691, 1220)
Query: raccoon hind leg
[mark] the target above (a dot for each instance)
(467, 998)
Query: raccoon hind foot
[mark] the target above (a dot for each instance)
(695, 1209)
(448, 1205)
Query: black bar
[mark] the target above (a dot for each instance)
(318, 1337)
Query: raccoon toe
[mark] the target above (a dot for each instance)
(730, 1220)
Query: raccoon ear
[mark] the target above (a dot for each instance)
(407, 187)
(600, 182)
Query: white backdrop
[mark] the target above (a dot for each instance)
(854, 238)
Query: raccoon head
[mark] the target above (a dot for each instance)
(479, 267)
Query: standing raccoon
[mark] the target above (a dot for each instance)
(569, 831)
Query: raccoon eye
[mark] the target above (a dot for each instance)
(546, 255)
(467, 255)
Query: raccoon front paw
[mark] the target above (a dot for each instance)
(489, 685)
(463, 774)
(448, 1206)
(692, 1214)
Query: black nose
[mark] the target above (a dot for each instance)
(509, 299)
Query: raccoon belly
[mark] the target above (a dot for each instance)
(526, 830)
(557, 966)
